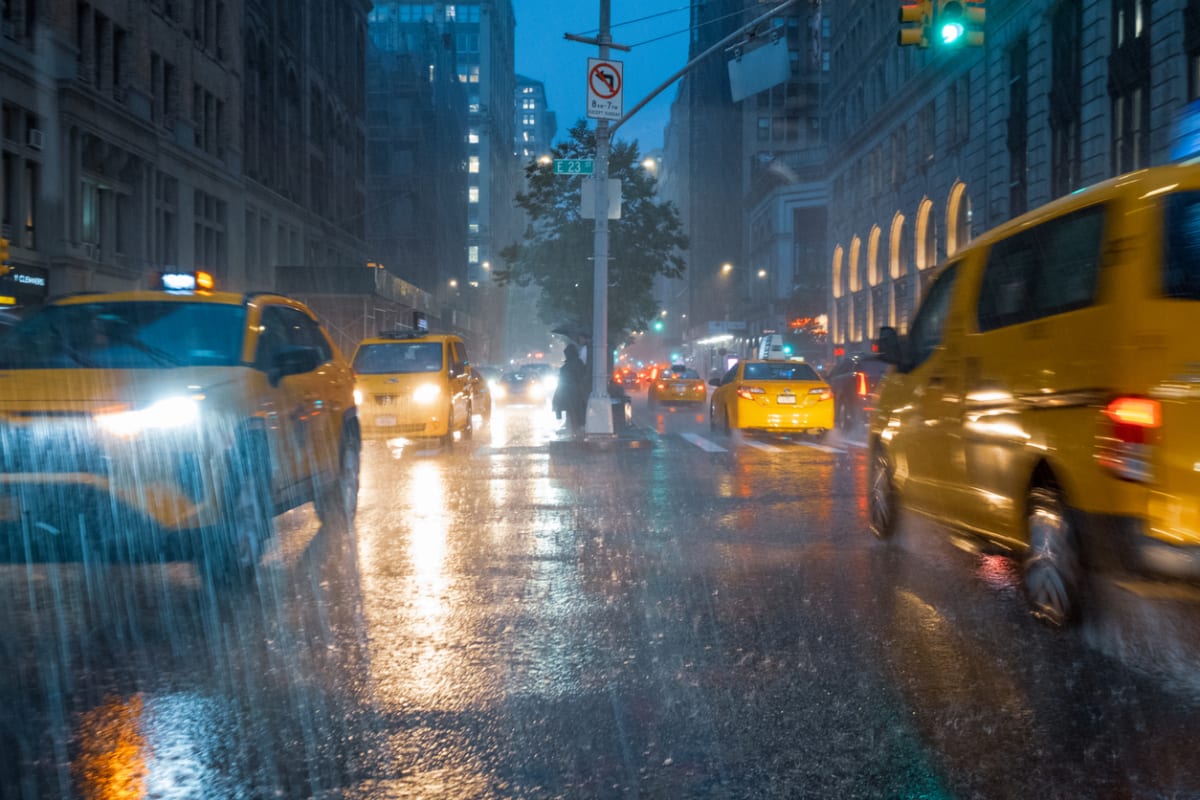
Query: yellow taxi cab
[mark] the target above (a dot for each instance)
(415, 384)
(771, 395)
(677, 384)
(182, 410)
(1047, 395)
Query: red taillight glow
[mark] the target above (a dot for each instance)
(1128, 448)
(862, 383)
(1139, 412)
(750, 392)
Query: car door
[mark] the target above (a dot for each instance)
(299, 399)
(274, 399)
(927, 445)
(326, 391)
(459, 380)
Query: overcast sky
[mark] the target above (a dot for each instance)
(543, 54)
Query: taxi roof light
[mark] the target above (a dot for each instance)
(187, 281)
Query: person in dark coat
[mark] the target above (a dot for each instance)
(570, 398)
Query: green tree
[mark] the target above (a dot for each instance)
(555, 253)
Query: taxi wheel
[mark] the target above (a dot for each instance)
(1052, 569)
(337, 503)
(843, 416)
(882, 496)
(235, 545)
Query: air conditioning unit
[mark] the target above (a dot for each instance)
(34, 139)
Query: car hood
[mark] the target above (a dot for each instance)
(86, 390)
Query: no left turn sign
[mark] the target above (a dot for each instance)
(605, 92)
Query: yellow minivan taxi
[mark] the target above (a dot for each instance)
(1047, 394)
(414, 384)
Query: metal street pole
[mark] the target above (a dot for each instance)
(599, 421)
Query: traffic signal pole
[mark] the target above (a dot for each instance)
(599, 422)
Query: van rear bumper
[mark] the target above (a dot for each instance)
(1120, 544)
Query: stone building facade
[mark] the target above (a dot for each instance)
(138, 135)
(934, 147)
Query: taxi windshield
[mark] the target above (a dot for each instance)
(780, 372)
(382, 359)
(127, 335)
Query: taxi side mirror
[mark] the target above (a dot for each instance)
(890, 350)
(293, 361)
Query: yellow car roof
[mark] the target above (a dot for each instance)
(146, 296)
(402, 338)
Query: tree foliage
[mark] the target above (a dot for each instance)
(555, 253)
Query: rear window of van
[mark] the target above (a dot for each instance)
(1181, 277)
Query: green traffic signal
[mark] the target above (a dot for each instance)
(658, 324)
(952, 32)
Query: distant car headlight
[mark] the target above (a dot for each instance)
(550, 382)
(166, 414)
(537, 390)
(426, 393)
(499, 392)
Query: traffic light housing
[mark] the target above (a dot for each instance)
(959, 22)
(916, 18)
(4, 255)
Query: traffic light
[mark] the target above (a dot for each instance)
(4, 268)
(658, 325)
(915, 21)
(959, 22)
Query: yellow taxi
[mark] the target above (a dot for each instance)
(771, 395)
(182, 410)
(1047, 395)
(676, 384)
(415, 384)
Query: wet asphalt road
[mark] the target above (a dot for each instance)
(681, 615)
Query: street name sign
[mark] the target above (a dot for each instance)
(605, 88)
(573, 166)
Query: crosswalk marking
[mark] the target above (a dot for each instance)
(767, 447)
(702, 443)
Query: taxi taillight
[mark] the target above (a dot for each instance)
(1125, 447)
(750, 392)
(862, 383)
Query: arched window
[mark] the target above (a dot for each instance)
(873, 273)
(926, 241)
(958, 219)
(855, 268)
(838, 288)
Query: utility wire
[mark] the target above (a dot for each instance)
(630, 22)
(689, 29)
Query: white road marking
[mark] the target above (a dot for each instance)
(770, 448)
(702, 443)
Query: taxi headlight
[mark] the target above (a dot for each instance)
(499, 392)
(166, 414)
(426, 393)
(537, 390)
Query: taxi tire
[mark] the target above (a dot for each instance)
(882, 500)
(337, 503)
(233, 547)
(1052, 571)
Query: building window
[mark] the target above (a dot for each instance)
(528, 119)
(1018, 116)
(1129, 86)
(1066, 98)
(208, 216)
(472, 227)
(473, 137)
(473, 164)
(472, 194)
(1191, 43)
(473, 254)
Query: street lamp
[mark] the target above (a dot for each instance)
(726, 268)
(453, 283)
(762, 273)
